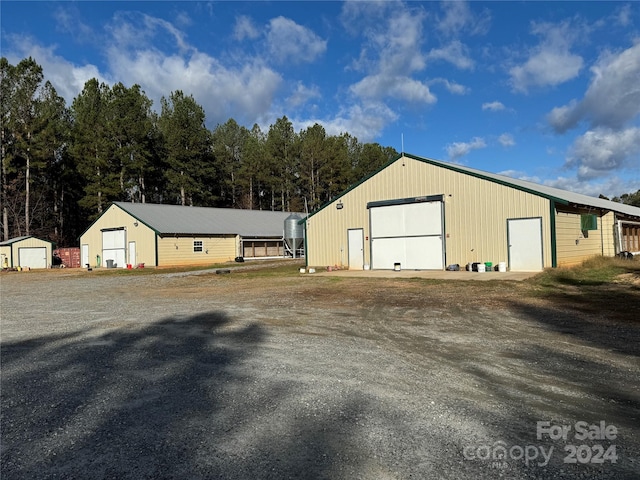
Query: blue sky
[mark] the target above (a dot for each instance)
(544, 91)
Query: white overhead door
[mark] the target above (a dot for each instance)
(525, 244)
(33, 257)
(114, 247)
(408, 234)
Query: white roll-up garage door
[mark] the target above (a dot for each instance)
(113, 247)
(408, 234)
(33, 257)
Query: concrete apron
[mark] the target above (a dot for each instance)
(428, 274)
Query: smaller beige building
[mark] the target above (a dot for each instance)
(421, 214)
(26, 252)
(137, 234)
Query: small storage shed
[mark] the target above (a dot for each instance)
(136, 234)
(417, 213)
(26, 252)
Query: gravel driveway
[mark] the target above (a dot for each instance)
(299, 376)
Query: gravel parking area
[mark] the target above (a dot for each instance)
(239, 376)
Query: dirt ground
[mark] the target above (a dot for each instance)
(259, 375)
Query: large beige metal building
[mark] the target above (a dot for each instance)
(133, 234)
(418, 213)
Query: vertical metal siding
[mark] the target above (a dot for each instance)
(572, 246)
(115, 217)
(608, 222)
(176, 251)
(475, 213)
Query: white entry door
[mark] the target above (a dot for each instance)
(132, 253)
(85, 255)
(525, 244)
(356, 248)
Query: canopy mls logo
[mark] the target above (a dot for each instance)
(587, 449)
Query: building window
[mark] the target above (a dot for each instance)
(197, 245)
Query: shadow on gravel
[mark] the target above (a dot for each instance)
(169, 400)
(589, 376)
(611, 322)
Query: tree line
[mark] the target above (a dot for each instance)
(63, 165)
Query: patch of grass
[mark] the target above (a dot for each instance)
(593, 272)
(602, 287)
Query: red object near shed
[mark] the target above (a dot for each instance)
(70, 256)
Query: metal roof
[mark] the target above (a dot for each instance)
(543, 190)
(14, 240)
(556, 194)
(179, 220)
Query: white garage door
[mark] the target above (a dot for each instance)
(33, 257)
(113, 247)
(408, 234)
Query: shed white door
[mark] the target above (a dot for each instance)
(356, 248)
(132, 253)
(85, 255)
(408, 234)
(33, 257)
(525, 244)
(114, 247)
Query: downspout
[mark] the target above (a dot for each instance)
(157, 250)
(552, 231)
(306, 250)
(602, 233)
(619, 228)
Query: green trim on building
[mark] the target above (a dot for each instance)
(486, 177)
(552, 230)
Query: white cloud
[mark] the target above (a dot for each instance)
(292, 43)
(390, 55)
(457, 18)
(365, 121)
(460, 149)
(244, 28)
(506, 140)
(493, 106)
(399, 87)
(613, 96)
(455, 53)
(68, 79)
(602, 150)
(302, 94)
(452, 87)
(623, 15)
(551, 62)
(130, 30)
(244, 93)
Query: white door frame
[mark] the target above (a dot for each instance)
(355, 248)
